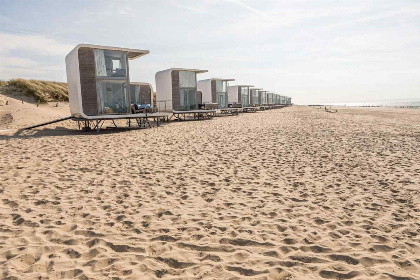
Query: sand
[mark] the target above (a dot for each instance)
(22, 110)
(296, 193)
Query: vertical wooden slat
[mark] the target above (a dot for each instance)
(175, 90)
(199, 98)
(213, 92)
(88, 81)
(145, 94)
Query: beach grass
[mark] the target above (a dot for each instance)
(42, 91)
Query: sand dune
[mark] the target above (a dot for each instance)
(22, 110)
(296, 193)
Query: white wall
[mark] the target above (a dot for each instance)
(73, 83)
(205, 87)
(164, 90)
(233, 94)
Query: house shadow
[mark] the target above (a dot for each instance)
(65, 131)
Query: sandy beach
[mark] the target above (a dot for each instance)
(295, 193)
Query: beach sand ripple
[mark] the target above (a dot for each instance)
(296, 193)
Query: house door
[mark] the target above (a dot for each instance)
(245, 102)
(222, 99)
(187, 99)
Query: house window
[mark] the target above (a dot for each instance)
(110, 63)
(187, 90)
(135, 94)
(221, 93)
(245, 96)
(112, 97)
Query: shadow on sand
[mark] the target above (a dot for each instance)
(65, 131)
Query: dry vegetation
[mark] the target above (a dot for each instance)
(43, 91)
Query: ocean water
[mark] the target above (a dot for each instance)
(385, 103)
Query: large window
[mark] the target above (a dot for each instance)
(222, 99)
(187, 90)
(187, 79)
(270, 98)
(135, 94)
(112, 97)
(110, 63)
(263, 97)
(111, 82)
(221, 86)
(221, 93)
(245, 96)
(254, 96)
(188, 99)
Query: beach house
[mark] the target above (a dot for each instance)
(141, 97)
(98, 80)
(214, 91)
(239, 94)
(176, 89)
(254, 96)
(263, 97)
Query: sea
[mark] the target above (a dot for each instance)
(413, 103)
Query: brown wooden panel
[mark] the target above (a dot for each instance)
(145, 94)
(213, 92)
(175, 91)
(199, 97)
(88, 81)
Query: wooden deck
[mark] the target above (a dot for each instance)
(196, 114)
(249, 109)
(142, 120)
(124, 116)
(230, 111)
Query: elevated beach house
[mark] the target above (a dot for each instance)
(214, 91)
(176, 89)
(141, 97)
(263, 97)
(98, 80)
(254, 99)
(239, 94)
(270, 98)
(277, 99)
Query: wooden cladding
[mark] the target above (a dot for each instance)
(199, 97)
(88, 81)
(175, 91)
(213, 92)
(145, 94)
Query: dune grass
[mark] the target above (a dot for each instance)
(43, 91)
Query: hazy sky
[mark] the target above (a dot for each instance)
(315, 51)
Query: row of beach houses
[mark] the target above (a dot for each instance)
(100, 88)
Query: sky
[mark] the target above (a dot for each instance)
(319, 51)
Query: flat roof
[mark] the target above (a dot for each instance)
(140, 83)
(198, 71)
(217, 79)
(220, 79)
(131, 53)
(243, 86)
(257, 88)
